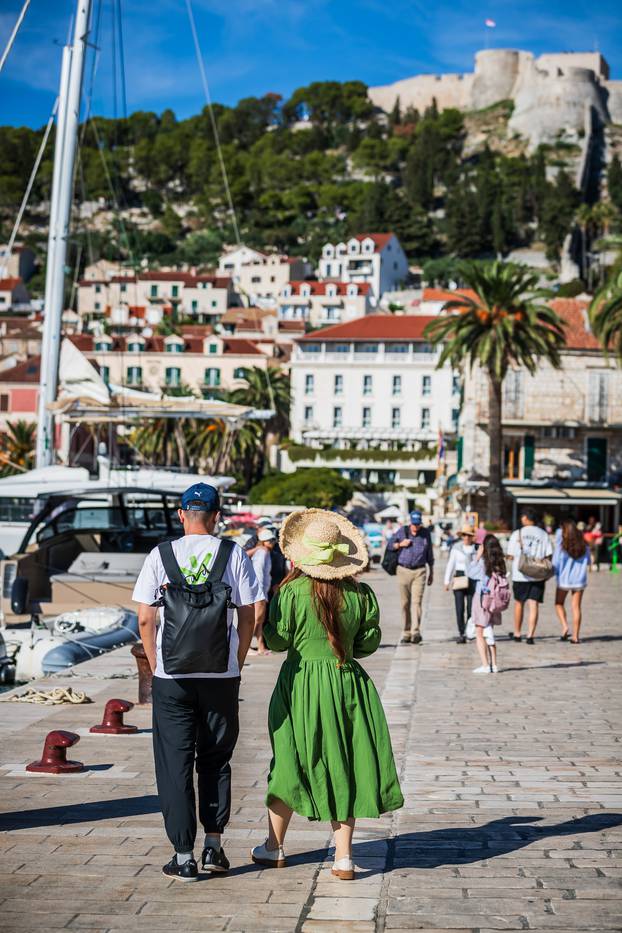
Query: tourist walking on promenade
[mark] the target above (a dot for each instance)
(571, 560)
(532, 544)
(415, 562)
(456, 578)
(593, 535)
(332, 757)
(492, 597)
(196, 655)
(258, 550)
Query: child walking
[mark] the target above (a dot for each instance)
(492, 597)
(332, 757)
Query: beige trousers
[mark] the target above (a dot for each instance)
(412, 587)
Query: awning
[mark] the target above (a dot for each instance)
(563, 495)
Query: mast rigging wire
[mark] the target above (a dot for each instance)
(208, 99)
(31, 182)
(13, 35)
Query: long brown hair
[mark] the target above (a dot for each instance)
(494, 561)
(573, 541)
(327, 597)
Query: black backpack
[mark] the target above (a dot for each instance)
(195, 636)
(390, 559)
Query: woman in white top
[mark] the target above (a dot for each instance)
(457, 578)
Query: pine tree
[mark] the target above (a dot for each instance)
(614, 182)
(395, 117)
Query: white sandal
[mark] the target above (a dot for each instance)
(343, 869)
(269, 858)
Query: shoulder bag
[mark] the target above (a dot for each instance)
(391, 555)
(538, 568)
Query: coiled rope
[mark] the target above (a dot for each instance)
(48, 697)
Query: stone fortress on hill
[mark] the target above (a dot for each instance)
(552, 94)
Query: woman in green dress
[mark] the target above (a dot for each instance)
(332, 757)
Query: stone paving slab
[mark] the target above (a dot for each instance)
(513, 816)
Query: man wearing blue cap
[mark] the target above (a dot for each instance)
(195, 715)
(415, 561)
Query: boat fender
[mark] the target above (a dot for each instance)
(19, 596)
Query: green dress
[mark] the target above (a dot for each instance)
(331, 749)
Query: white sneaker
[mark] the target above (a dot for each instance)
(343, 869)
(270, 858)
(495, 669)
(481, 670)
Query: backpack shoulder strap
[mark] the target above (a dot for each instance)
(170, 563)
(222, 559)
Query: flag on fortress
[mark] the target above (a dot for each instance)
(491, 23)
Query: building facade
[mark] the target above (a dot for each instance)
(368, 394)
(202, 363)
(322, 303)
(376, 259)
(127, 301)
(260, 277)
(563, 426)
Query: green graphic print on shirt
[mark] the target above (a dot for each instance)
(197, 572)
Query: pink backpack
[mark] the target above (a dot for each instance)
(498, 597)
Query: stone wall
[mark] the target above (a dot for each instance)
(550, 93)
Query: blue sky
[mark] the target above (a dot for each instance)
(255, 46)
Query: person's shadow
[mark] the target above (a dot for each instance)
(437, 848)
(426, 849)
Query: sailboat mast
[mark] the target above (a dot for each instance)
(72, 72)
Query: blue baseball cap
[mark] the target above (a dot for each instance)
(201, 498)
(416, 518)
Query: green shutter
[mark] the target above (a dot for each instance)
(529, 455)
(459, 447)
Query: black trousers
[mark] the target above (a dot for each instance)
(194, 719)
(463, 600)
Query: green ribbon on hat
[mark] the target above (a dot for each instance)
(321, 552)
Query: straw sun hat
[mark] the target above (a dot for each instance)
(323, 544)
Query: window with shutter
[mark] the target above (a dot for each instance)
(513, 397)
(598, 397)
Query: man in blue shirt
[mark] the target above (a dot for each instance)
(415, 562)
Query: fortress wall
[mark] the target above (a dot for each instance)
(451, 90)
(496, 72)
(613, 95)
(544, 105)
(561, 61)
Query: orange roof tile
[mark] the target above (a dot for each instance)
(375, 327)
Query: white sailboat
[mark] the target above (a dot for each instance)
(94, 531)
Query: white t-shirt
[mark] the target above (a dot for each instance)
(262, 563)
(536, 543)
(195, 555)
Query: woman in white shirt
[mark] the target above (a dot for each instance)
(457, 578)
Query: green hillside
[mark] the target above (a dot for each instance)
(318, 166)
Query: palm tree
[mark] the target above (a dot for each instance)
(266, 389)
(17, 448)
(505, 323)
(606, 315)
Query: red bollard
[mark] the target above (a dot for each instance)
(112, 723)
(54, 758)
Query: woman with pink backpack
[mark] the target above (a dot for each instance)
(492, 597)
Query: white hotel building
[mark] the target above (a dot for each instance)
(373, 258)
(370, 386)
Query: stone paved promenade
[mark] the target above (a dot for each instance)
(513, 816)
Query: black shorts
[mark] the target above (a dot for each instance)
(528, 589)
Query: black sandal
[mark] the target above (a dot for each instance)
(565, 636)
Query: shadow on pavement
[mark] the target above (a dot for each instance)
(446, 847)
(80, 812)
(542, 667)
